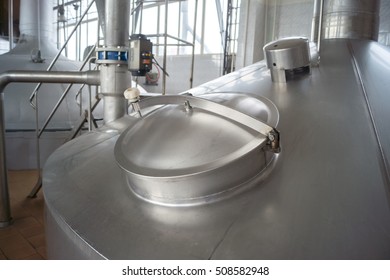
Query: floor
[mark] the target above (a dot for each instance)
(25, 238)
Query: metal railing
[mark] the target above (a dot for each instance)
(51, 65)
(64, 94)
(34, 102)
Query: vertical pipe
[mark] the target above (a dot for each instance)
(193, 44)
(39, 23)
(274, 24)
(178, 27)
(114, 77)
(227, 38)
(36, 18)
(80, 29)
(321, 15)
(234, 52)
(265, 20)
(11, 24)
(315, 21)
(158, 29)
(117, 23)
(77, 33)
(5, 209)
(351, 19)
(141, 17)
(58, 27)
(204, 16)
(165, 47)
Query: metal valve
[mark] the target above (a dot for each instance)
(132, 95)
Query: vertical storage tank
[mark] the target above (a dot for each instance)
(35, 35)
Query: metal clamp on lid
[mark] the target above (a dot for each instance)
(187, 101)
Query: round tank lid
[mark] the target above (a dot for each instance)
(192, 150)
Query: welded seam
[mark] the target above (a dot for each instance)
(365, 95)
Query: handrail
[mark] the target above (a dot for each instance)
(64, 94)
(89, 77)
(33, 94)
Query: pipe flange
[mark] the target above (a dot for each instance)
(112, 55)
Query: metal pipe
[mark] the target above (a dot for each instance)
(351, 19)
(36, 18)
(11, 24)
(20, 76)
(165, 47)
(193, 44)
(5, 209)
(315, 21)
(115, 78)
(117, 23)
(321, 16)
(88, 77)
(32, 96)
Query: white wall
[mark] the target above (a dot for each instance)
(263, 21)
(206, 68)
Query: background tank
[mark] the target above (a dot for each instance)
(19, 115)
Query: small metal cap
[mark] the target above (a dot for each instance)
(287, 54)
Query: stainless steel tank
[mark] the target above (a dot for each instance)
(19, 115)
(190, 181)
(325, 197)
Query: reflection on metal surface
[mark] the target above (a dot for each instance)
(321, 198)
(351, 19)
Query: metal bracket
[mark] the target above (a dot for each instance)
(274, 141)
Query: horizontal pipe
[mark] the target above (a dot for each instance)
(88, 77)
(58, 77)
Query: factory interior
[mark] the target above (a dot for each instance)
(194, 129)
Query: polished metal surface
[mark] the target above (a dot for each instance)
(315, 23)
(286, 54)
(351, 19)
(220, 148)
(116, 18)
(21, 76)
(36, 18)
(115, 78)
(327, 196)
